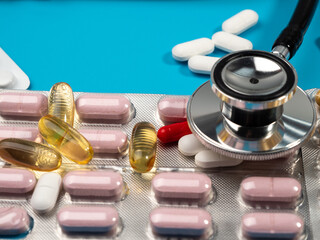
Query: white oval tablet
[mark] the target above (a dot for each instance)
(210, 159)
(200, 46)
(240, 22)
(46, 192)
(6, 78)
(230, 43)
(202, 64)
(189, 145)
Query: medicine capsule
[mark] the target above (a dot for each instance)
(189, 145)
(13, 221)
(17, 181)
(317, 98)
(67, 140)
(230, 43)
(143, 146)
(173, 109)
(173, 132)
(211, 159)
(29, 154)
(202, 64)
(61, 102)
(26, 133)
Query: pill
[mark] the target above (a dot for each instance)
(200, 46)
(65, 139)
(317, 98)
(6, 78)
(269, 190)
(143, 147)
(262, 225)
(17, 181)
(13, 221)
(230, 43)
(104, 107)
(94, 183)
(240, 22)
(173, 109)
(85, 219)
(182, 187)
(188, 222)
(211, 159)
(173, 132)
(202, 64)
(26, 133)
(23, 104)
(46, 192)
(189, 145)
(29, 154)
(61, 102)
(106, 141)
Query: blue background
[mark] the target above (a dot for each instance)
(125, 46)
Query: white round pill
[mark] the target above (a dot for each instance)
(210, 159)
(230, 43)
(184, 51)
(240, 22)
(189, 145)
(6, 78)
(202, 64)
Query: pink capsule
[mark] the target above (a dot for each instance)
(17, 181)
(173, 109)
(189, 222)
(32, 105)
(13, 221)
(25, 133)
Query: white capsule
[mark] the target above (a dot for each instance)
(6, 78)
(240, 22)
(202, 64)
(230, 43)
(189, 145)
(184, 51)
(210, 159)
(46, 192)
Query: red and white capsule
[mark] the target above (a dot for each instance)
(173, 132)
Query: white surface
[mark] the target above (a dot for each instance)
(202, 64)
(200, 46)
(230, 43)
(240, 22)
(6, 79)
(210, 159)
(189, 145)
(19, 80)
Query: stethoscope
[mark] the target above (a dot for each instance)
(254, 109)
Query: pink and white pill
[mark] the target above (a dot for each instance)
(85, 219)
(13, 221)
(34, 105)
(26, 133)
(104, 108)
(182, 187)
(16, 181)
(262, 225)
(173, 109)
(189, 222)
(106, 141)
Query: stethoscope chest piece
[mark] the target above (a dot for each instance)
(252, 109)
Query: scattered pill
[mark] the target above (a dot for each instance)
(143, 147)
(46, 192)
(211, 159)
(25, 133)
(85, 219)
(29, 154)
(240, 22)
(61, 102)
(230, 43)
(104, 108)
(202, 64)
(173, 109)
(317, 98)
(6, 78)
(94, 183)
(173, 132)
(188, 222)
(269, 190)
(189, 145)
(23, 104)
(13, 221)
(67, 140)
(184, 51)
(182, 187)
(264, 225)
(17, 181)
(106, 141)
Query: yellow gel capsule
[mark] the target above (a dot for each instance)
(64, 138)
(318, 98)
(29, 154)
(143, 147)
(61, 102)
